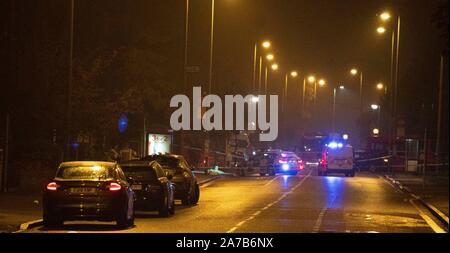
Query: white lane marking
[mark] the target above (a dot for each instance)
(319, 220)
(268, 205)
(436, 228)
(270, 181)
(428, 220)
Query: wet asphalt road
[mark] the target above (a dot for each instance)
(302, 203)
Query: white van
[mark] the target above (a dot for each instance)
(337, 158)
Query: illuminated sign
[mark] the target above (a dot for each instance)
(158, 143)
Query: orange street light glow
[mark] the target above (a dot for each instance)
(266, 44)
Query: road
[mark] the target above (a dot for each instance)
(303, 203)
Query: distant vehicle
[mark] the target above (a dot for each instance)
(277, 161)
(311, 148)
(238, 149)
(186, 185)
(337, 158)
(152, 186)
(88, 191)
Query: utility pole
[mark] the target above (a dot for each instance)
(425, 160)
(6, 155)
(69, 86)
(439, 116)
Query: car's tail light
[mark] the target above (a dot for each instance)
(52, 186)
(114, 186)
(282, 161)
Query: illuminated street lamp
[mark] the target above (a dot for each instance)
(385, 16)
(274, 66)
(376, 131)
(266, 44)
(353, 71)
(380, 86)
(311, 79)
(345, 136)
(341, 87)
(381, 30)
(375, 106)
(270, 57)
(322, 82)
(294, 74)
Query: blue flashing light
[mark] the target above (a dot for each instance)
(335, 145)
(285, 167)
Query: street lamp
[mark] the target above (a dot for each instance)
(294, 73)
(354, 72)
(270, 57)
(380, 86)
(376, 131)
(395, 49)
(334, 106)
(385, 16)
(274, 66)
(322, 82)
(377, 108)
(265, 45)
(311, 79)
(381, 30)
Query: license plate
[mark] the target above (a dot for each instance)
(136, 187)
(82, 190)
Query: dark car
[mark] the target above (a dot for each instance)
(186, 186)
(278, 161)
(88, 191)
(152, 186)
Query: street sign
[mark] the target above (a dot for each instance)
(192, 69)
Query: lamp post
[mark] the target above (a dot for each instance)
(265, 45)
(211, 47)
(334, 106)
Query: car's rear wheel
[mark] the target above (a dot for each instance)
(186, 200)
(172, 207)
(164, 209)
(196, 197)
(123, 221)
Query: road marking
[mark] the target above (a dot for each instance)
(318, 224)
(269, 205)
(270, 181)
(428, 220)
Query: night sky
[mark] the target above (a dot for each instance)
(321, 37)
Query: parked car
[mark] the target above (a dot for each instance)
(186, 185)
(152, 186)
(88, 191)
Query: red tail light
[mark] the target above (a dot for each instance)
(52, 186)
(114, 187)
(282, 161)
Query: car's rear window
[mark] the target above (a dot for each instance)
(85, 172)
(168, 163)
(341, 152)
(140, 173)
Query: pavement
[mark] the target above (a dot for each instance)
(434, 191)
(17, 208)
(366, 203)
